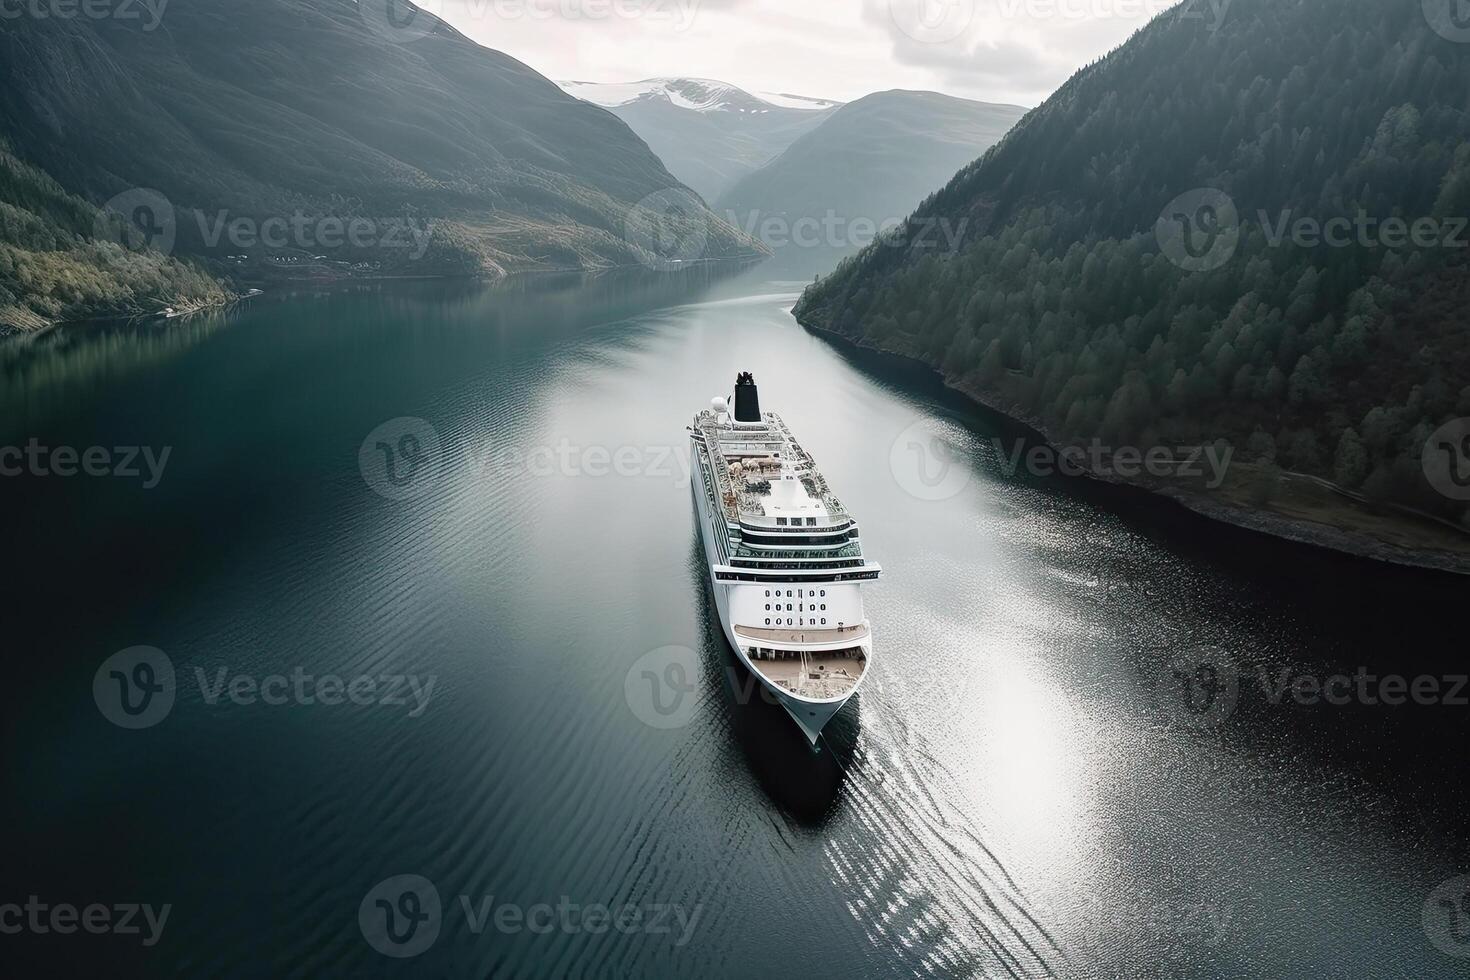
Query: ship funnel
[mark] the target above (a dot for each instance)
(747, 399)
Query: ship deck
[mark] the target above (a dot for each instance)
(750, 446)
(819, 676)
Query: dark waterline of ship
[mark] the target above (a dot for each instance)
(1012, 793)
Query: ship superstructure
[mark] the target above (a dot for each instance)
(786, 562)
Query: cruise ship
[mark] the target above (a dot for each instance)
(784, 558)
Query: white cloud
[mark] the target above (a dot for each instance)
(995, 50)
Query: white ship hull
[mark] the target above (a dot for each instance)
(752, 642)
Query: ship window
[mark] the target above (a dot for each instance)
(824, 605)
(768, 607)
(768, 595)
(824, 620)
(811, 522)
(780, 522)
(768, 620)
(824, 592)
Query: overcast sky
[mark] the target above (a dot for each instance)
(995, 50)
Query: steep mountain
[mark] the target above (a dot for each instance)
(866, 166)
(709, 134)
(1140, 264)
(52, 266)
(276, 128)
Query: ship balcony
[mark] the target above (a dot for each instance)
(826, 638)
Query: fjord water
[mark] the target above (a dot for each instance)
(1011, 794)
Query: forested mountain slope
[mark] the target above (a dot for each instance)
(57, 260)
(279, 108)
(1135, 267)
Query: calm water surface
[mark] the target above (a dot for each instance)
(1013, 793)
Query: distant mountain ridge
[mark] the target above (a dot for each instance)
(699, 94)
(708, 133)
(277, 108)
(867, 165)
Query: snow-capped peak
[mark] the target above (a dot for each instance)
(697, 94)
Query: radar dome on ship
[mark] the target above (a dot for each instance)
(719, 405)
